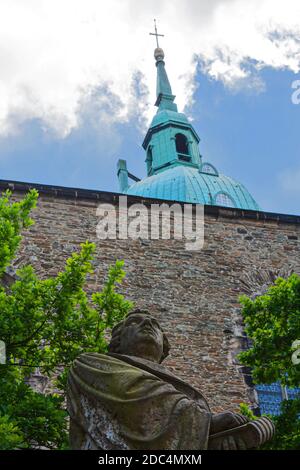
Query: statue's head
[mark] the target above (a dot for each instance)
(140, 335)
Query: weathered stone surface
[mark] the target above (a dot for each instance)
(128, 400)
(117, 405)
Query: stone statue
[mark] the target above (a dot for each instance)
(127, 400)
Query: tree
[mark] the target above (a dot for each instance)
(46, 324)
(273, 325)
(287, 426)
(272, 322)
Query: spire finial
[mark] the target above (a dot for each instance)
(164, 96)
(156, 34)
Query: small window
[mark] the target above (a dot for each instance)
(182, 146)
(223, 199)
(210, 169)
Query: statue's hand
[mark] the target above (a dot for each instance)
(226, 420)
(231, 443)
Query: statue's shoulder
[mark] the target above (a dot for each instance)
(100, 361)
(162, 373)
(91, 356)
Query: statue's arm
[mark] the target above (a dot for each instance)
(226, 420)
(249, 435)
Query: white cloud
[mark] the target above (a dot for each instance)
(53, 52)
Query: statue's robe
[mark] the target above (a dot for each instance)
(125, 402)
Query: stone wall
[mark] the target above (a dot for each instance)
(193, 294)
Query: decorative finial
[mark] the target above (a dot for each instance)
(164, 96)
(156, 34)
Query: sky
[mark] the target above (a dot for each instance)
(77, 89)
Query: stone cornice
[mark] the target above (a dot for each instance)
(112, 197)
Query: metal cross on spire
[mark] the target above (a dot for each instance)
(156, 34)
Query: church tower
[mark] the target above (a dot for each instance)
(171, 140)
(175, 170)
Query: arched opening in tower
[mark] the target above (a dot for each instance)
(182, 146)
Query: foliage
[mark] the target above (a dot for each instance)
(273, 324)
(246, 411)
(46, 323)
(38, 419)
(287, 426)
(10, 435)
(13, 218)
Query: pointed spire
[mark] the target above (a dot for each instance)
(164, 95)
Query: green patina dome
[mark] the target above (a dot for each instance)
(175, 170)
(185, 184)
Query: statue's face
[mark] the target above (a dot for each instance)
(142, 337)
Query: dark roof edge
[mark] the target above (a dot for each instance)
(110, 197)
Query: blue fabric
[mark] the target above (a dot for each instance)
(271, 396)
